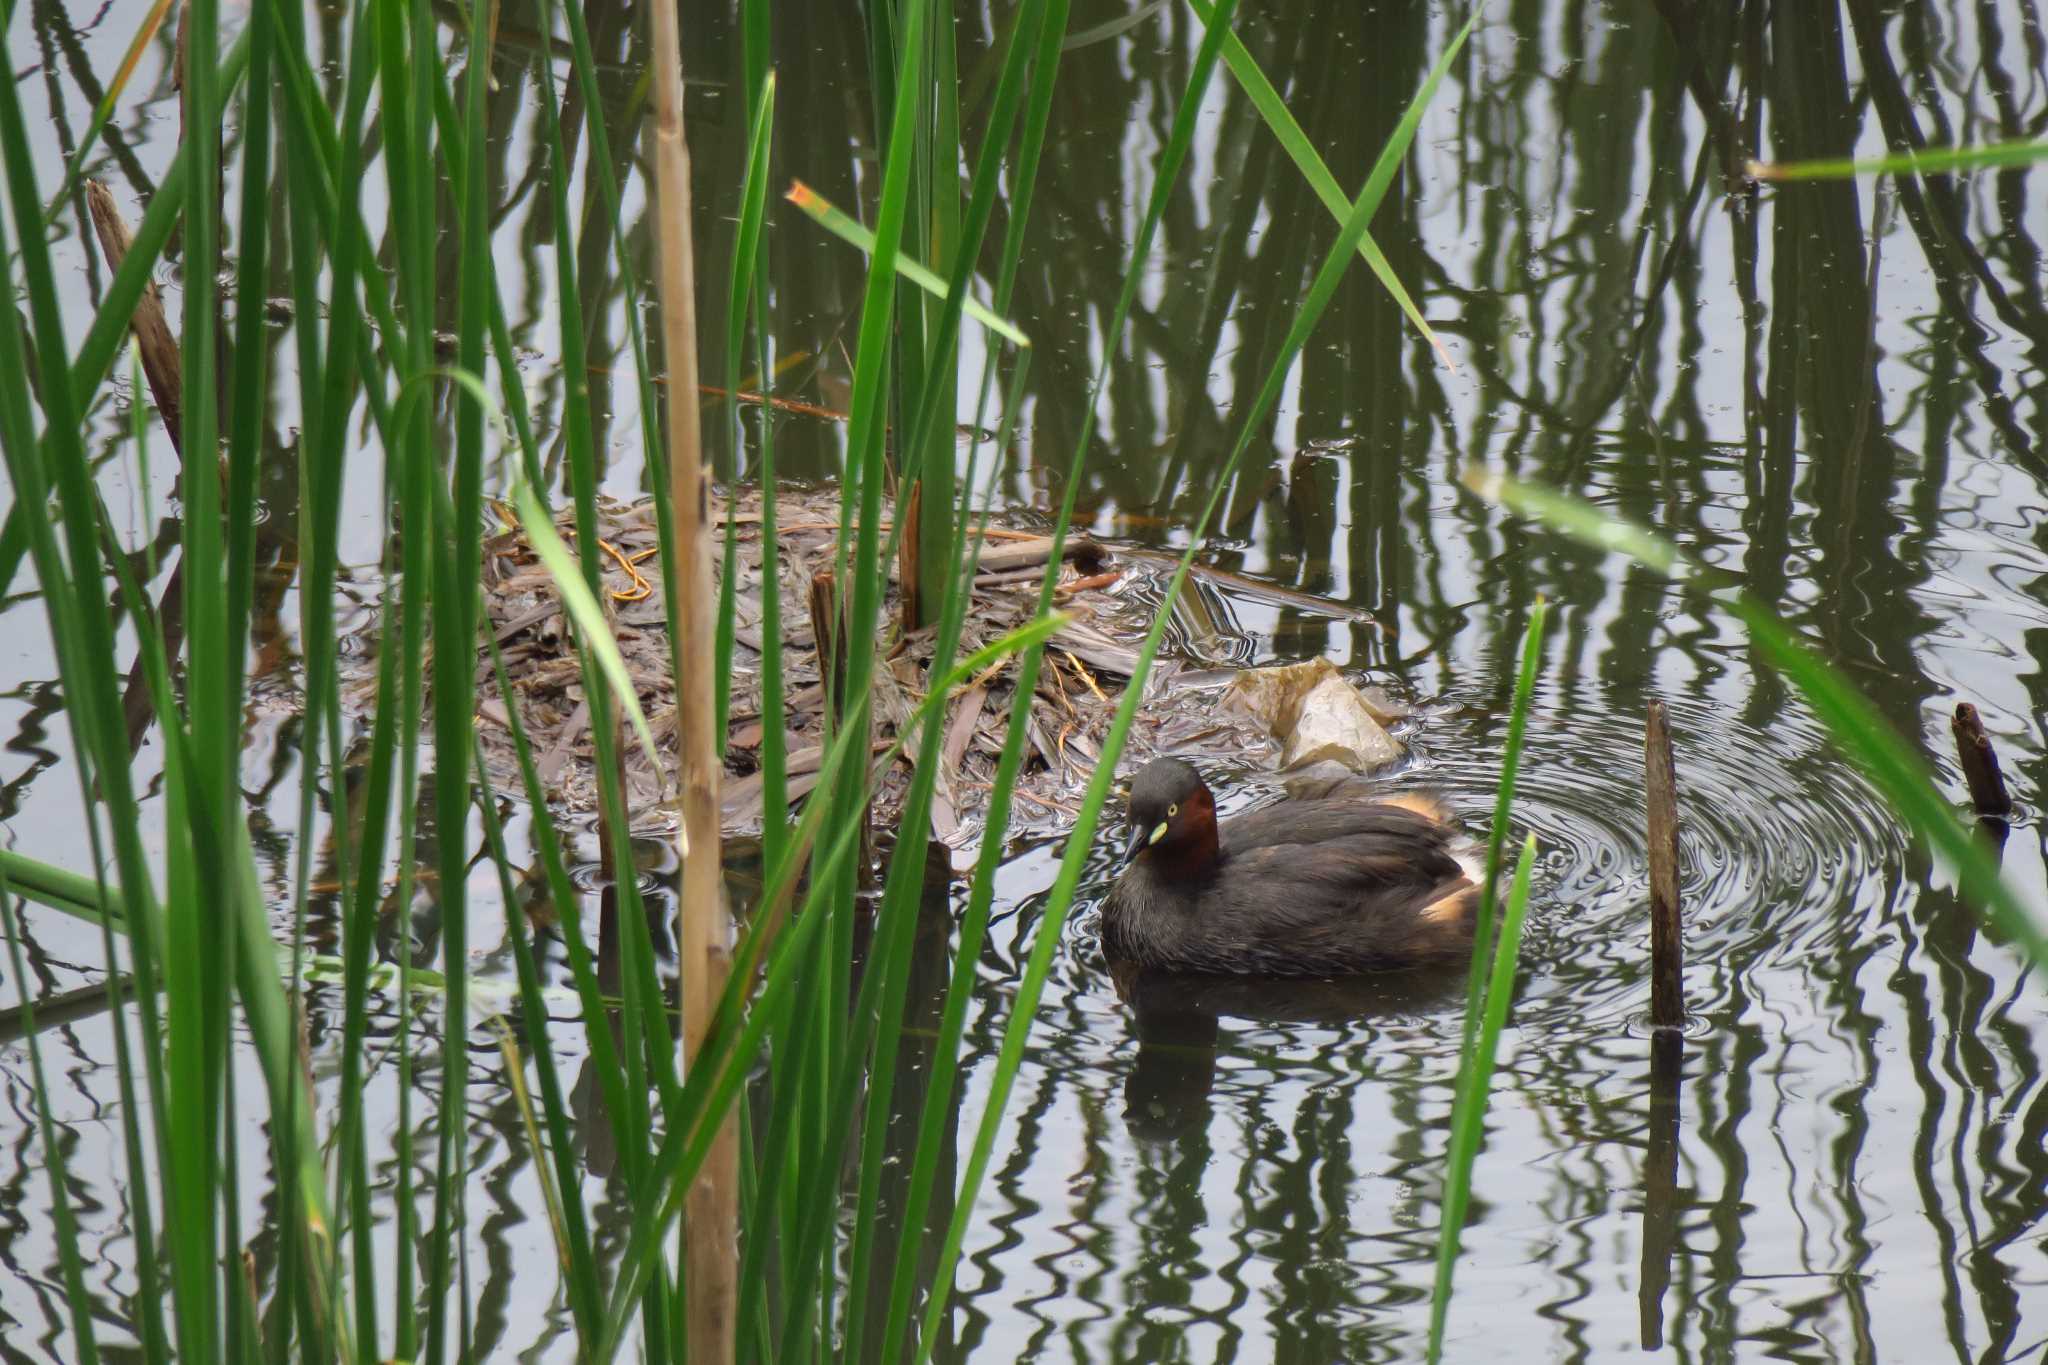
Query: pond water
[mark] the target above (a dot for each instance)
(1825, 389)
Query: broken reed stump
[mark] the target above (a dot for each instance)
(1667, 947)
(1980, 764)
(825, 623)
(1667, 1021)
(831, 622)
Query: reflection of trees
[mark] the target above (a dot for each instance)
(1633, 324)
(1637, 326)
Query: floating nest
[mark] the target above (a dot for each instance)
(1110, 595)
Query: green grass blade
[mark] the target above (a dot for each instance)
(948, 576)
(827, 216)
(1503, 802)
(1930, 161)
(586, 1296)
(1052, 922)
(737, 1030)
(584, 610)
(1475, 1076)
(103, 111)
(1245, 68)
(458, 521)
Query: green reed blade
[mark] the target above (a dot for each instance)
(833, 220)
(857, 551)
(747, 292)
(80, 627)
(1475, 1076)
(1928, 161)
(1045, 65)
(103, 111)
(739, 1025)
(153, 1333)
(646, 1041)
(1303, 154)
(583, 608)
(1868, 740)
(1052, 922)
(595, 101)
(774, 746)
(1898, 773)
(1497, 833)
(457, 519)
(932, 1139)
(945, 566)
(204, 947)
(982, 893)
(415, 200)
(740, 291)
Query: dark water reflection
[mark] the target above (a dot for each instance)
(1833, 390)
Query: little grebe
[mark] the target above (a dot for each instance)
(1322, 887)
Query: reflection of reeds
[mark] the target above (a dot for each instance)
(424, 352)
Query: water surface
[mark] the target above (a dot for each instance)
(1834, 391)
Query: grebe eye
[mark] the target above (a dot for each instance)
(1172, 811)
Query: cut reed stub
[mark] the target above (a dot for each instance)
(825, 630)
(1980, 764)
(1667, 943)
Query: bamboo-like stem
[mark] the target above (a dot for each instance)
(703, 929)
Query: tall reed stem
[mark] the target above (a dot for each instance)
(703, 930)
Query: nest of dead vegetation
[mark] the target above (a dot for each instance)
(1085, 670)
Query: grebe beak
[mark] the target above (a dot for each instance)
(1142, 839)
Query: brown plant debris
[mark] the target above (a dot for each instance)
(1082, 677)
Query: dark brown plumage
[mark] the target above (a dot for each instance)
(1324, 887)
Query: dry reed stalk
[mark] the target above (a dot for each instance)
(1667, 944)
(703, 928)
(165, 372)
(160, 364)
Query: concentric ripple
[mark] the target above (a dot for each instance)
(1784, 849)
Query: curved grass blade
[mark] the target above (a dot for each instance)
(583, 608)
(76, 1296)
(1302, 152)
